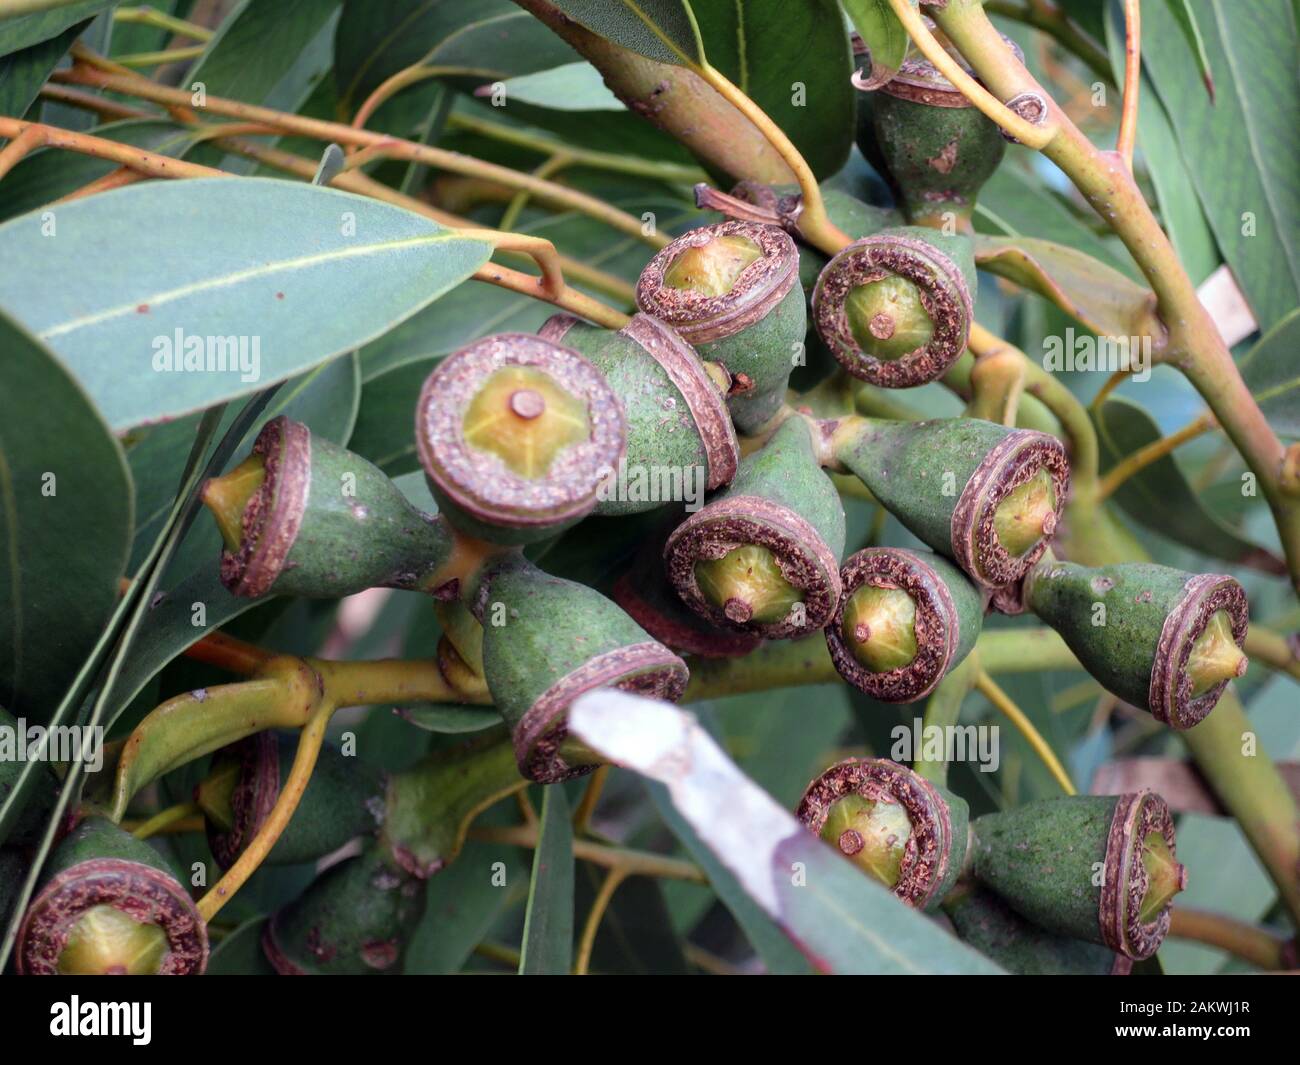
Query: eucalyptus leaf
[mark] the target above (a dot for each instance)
(1186, 19)
(662, 30)
(548, 921)
(237, 272)
(886, 40)
(22, 31)
(1271, 371)
(571, 87)
(24, 71)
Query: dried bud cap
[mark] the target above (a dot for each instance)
(515, 434)
(895, 308)
(110, 905)
(355, 919)
(731, 291)
(545, 642)
(896, 826)
(1099, 868)
(968, 488)
(1161, 639)
(343, 799)
(303, 516)
(763, 556)
(905, 619)
(680, 439)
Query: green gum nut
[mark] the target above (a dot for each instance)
(39, 802)
(680, 438)
(1163, 640)
(731, 291)
(545, 642)
(110, 904)
(895, 308)
(983, 921)
(895, 825)
(355, 919)
(956, 482)
(650, 600)
(343, 799)
(516, 434)
(937, 148)
(431, 806)
(904, 620)
(763, 555)
(1095, 867)
(302, 516)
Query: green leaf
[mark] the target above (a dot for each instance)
(886, 40)
(22, 31)
(794, 61)
(23, 72)
(841, 920)
(65, 524)
(1272, 373)
(571, 87)
(486, 41)
(252, 259)
(1100, 298)
(1159, 497)
(1186, 19)
(1237, 148)
(662, 30)
(548, 922)
(450, 719)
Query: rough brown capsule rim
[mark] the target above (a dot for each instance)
(1013, 461)
(803, 556)
(480, 483)
(938, 625)
(557, 327)
(708, 409)
(699, 318)
(146, 894)
(274, 514)
(1124, 878)
(256, 791)
(929, 848)
(647, 668)
(944, 294)
(1170, 692)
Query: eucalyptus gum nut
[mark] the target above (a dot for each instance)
(431, 806)
(936, 849)
(99, 864)
(343, 799)
(1134, 627)
(324, 522)
(1074, 866)
(949, 616)
(39, 804)
(983, 921)
(545, 642)
(938, 149)
(680, 438)
(355, 919)
(753, 330)
(942, 269)
(649, 599)
(475, 487)
(783, 502)
(945, 479)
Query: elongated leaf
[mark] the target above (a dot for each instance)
(1272, 371)
(1238, 147)
(239, 268)
(548, 923)
(884, 36)
(571, 87)
(663, 30)
(65, 524)
(488, 40)
(843, 921)
(1159, 497)
(23, 72)
(450, 719)
(1186, 19)
(22, 31)
(794, 61)
(1100, 298)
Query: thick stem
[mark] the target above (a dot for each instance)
(1058, 26)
